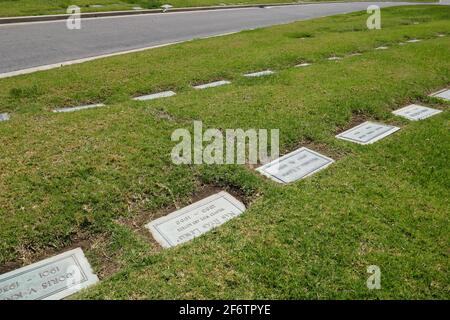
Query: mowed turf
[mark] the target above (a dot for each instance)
(97, 176)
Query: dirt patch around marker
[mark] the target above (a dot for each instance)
(138, 221)
(29, 254)
(334, 153)
(356, 119)
(163, 115)
(96, 246)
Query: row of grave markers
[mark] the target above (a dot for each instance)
(166, 94)
(185, 224)
(67, 273)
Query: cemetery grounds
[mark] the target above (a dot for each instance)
(94, 178)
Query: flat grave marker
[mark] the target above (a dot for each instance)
(259, 74)
(72, 109)
(367, 132)
(301, 65)
(4, 117)
(413, 40)
(51, 279)
(196, 219)
(334, 58)
(294, 166)
(443, 94)
(164, 94)
(212, 84)
(416, 112)
(382, 48)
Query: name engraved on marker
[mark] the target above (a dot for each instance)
(50, 279)
(194, 220)
(367, 133)
(295, 165)
(415, 112)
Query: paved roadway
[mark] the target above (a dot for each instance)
(30, 45)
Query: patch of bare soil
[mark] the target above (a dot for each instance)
(138, 221)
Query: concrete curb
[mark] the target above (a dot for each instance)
(88, 15)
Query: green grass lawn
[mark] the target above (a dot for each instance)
(10, 8)
(94, 178)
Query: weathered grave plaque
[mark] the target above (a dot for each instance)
(367, 132)
(443, 94)
(72, 109)
(306, 64)
(153, 96)
(382, 48)
(50, 279)
(295, 165)
(415, 112)
(413, 40)
(212, 84)
(334, 58)
(194, 220)
(259, 74)
(4, 117)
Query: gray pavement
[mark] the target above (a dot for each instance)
(29, 45)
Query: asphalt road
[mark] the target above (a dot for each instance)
(30, 45)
